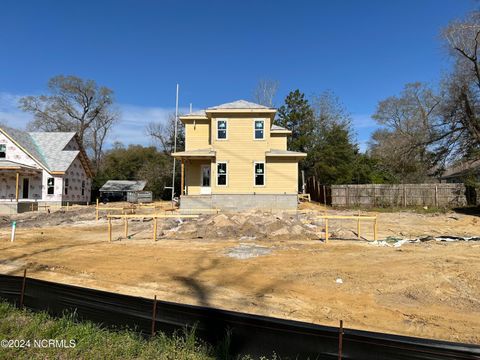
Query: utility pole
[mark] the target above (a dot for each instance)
(175, 145)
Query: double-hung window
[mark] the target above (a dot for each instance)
(3, 151)
(259, 173)
(50, 186)
(83, 187)
(66, 186)
(222, 173)
(259, 129)
(221, 129)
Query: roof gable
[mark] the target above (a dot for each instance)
(47, 148)
(239, 104)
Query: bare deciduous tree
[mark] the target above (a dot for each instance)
(164, 134)
(408, 128)
(74, 104)
(461, 110)
(265, 92)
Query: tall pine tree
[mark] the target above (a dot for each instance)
(297, 115)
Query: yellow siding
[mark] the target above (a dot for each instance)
(278, 141)
(240, 151)
(193, 176)
(197, 134)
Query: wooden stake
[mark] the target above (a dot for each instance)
(110, 229)
(375, 230)
(23, 287)
(126, 227)
(155, 229)
(436, 195)
(96, 211)
(16, 187)
(358, 228)
(340, 340)
(326, 231)
(182, 174)
(154, 314)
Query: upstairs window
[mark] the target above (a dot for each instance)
(66, 186)
(259, 130)
(50, 186)
(83, 187)
(222, 174)
(221, 129)
(3, 151)
(259, 173)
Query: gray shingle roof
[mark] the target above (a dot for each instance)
(47, 148)
(276, 127)
(13, 164)
(24, 139)
(51, 145)
(124, 185)
(239, 104)
(278, 152)
(197, 113)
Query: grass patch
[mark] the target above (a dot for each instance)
(396, 209)
(94, 342)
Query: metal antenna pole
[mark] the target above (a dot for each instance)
(175, 145)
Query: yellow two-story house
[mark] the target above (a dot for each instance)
(236, 159)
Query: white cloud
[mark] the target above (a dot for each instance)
(10, 114)
(129, 130)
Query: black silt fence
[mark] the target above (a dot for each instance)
(250, 334)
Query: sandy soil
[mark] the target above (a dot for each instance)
(429, 289)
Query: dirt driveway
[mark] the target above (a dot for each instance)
(428, 289)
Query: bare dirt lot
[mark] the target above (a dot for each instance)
(271, 264)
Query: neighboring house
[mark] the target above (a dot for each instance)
(235, 158)
(467, 172)
(117, 190)
(42, 167)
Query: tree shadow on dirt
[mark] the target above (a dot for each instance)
(213, 330)
(468, 210)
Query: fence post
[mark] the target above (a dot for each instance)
(340, 340)
(96, 211)
(325, 195)
(109, 228)
(22, 294)
(326, 231)
(404, 196)
(436, 195)
(347, 200)
(154, 314)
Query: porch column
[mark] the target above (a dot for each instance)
(16, 187)
(182, 182)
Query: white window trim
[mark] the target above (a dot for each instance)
(264, 173)
(262, 120)
(53, 186)
(216, 129)
(226, 174)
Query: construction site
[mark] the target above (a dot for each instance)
(407, 272)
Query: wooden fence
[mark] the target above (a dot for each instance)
(387, 195)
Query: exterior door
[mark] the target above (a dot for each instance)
(26, 185)
(205, 188)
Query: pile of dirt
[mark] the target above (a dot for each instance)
(246, 226)
(43, 218)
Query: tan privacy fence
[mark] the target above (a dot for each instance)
(384, 195)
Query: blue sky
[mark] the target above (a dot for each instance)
(217, 51)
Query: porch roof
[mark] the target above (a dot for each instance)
(194, 154)
(22, 168)
(284, 153)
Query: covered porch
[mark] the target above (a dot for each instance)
(20, 187)
(195, 171)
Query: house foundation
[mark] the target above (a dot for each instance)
(240, 202)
